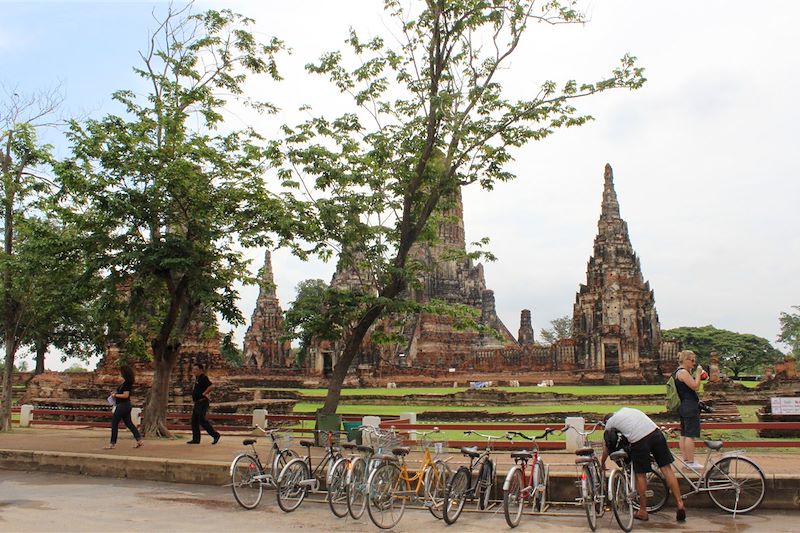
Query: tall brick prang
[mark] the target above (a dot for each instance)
(263, 347)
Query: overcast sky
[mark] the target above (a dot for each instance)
(704, 155)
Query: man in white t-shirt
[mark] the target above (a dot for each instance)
(645, 440)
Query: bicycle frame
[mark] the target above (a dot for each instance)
(700, 485)
(405, 477)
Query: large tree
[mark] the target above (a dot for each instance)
(23, 180)
(738, 352)
(560, 328)
(790, 330)
(430, 115)
(60, 291)
(168, 197)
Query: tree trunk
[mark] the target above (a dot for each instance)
(346, 359)
(41, 350)
(5, 410)
(9, 307)
(155, 409)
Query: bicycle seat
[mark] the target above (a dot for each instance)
(586, 450)
(307, 443)
(714, 444)
(470, 451)
(349, 445)
(401, 450)
(364, 448)
(619, 455)
(248, 442)
(583, 459)
(521, 455)
(384, 457)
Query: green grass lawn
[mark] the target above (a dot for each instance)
(578, 390)
(393, 410)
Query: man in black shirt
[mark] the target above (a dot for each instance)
(202, 388)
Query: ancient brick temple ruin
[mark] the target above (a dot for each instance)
(617, 336)
(615, 323)
(263, 347)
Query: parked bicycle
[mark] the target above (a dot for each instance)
(592, 479)
(297, 478)
(248, 474)
(391, 485)
(623, 494)
(364, 464)
(461, 488)
(734, 482)
(337, 481)
(516, 494)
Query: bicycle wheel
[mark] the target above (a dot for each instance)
(337, 488)
(435, 482)
(291, 491)
(513, 498)
(588, 496)
(281, 459)
(600, 487)
(387, 492)
(539, 487)
(619, 495)
(483, 491)
(657, 492)
(356, 487)
(735, 484)
(246, 481)
(456, 494)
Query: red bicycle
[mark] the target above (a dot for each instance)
(515, 493)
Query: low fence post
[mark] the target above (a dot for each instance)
(25, 415)
(136, 416)
(259, 418)
(574, 439)
(369, 420)
(412, 419)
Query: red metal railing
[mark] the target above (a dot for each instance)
(98, 418)
(561, 445)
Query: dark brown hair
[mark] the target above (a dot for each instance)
(127, 373)
(201, 366)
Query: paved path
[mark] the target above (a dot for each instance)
(58, 502)
(93, 440)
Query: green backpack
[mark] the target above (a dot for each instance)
(673, 400)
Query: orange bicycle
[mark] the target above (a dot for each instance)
(391, 485)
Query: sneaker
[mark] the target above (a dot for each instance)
(216, 439)
(680, 515)
(695, 465)
(192, 442)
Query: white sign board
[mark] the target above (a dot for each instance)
(786, 406)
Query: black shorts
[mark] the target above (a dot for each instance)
(690, 426)
(654, 444)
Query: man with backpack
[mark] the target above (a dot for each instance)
(645, 440)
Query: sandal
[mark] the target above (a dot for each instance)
(109, 447)
(138, 444)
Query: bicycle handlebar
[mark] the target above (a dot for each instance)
(489, 437)
(544, 435)
(596, 426)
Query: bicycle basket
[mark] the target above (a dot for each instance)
(284, 440)
(385, 441)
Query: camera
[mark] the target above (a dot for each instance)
(705, 408)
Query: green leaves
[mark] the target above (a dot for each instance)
(164, 199)
(738, 352)
(790, 330)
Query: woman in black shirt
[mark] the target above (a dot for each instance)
(122, 408)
